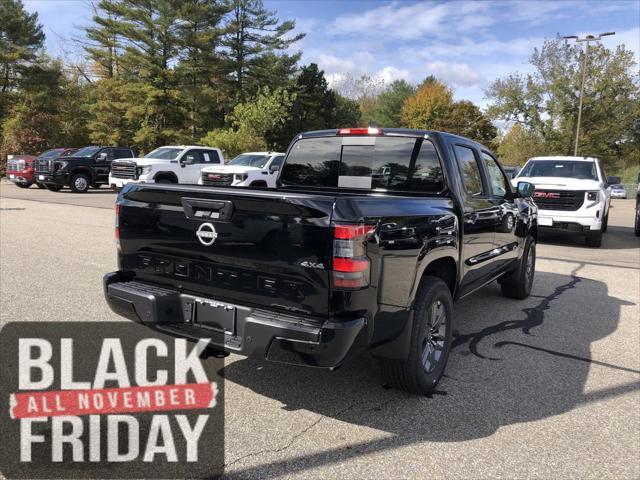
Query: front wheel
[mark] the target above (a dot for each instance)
(594, 239)
(605, 223)
(23, 185)
(431, 336)
(40, 185)
(518, 283)
(80, 183)
(53, 188)
(636, 228)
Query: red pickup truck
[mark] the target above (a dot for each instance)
(21, 168)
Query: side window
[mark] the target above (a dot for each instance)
(194, 155)
(497, 182)
(108, 151)
(470, 172)
(123, 153)
(209, 156)
(277, 162)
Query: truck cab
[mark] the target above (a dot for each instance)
(572, 194)
(168, 164)
(86, 168)
(251, 169)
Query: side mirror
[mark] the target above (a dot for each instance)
(189, 160)
(525, 189)
(274, 168)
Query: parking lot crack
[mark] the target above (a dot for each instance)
(292, 440)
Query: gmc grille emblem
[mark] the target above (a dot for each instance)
(546, 195)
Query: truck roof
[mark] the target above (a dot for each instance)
(410, 132)
(189, 146)
(561, 157)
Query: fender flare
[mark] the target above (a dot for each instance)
(168, 174)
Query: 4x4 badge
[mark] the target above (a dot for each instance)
(207, 234)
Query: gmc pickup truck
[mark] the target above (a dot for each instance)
(365, 243)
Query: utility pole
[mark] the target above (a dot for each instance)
(587, 39)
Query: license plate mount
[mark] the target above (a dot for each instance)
(545, 221)
(215, 315)
(40, 177)
(12, 176)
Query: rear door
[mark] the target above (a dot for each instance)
(479, 219)
(253, 248)
(506, 242)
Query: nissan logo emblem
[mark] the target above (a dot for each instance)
(207, 234)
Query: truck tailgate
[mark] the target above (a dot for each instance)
(255, 248)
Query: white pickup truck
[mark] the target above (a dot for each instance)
(251, 169)
(170, 164)
(572, 195)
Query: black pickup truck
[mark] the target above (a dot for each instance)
(364, 245)
(88, 167)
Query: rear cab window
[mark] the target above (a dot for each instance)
(373, 163)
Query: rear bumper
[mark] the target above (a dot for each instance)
(247, 331)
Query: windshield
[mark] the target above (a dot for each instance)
(49, 154)
(249, 160)
(86, 152)
(165, 153)
(560, 168)
(618, 186)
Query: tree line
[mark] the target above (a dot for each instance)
(227, 73)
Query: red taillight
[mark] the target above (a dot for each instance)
(117, 232)
(360, 131)
(350, 267)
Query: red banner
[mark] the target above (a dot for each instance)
(113, 400)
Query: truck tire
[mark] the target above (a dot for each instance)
(636, 227)
(431, 336)
(23, 185)
(517, 284)
(80, 183)
(605, 223)
(53, 188)
(164, 180)
(594, 239)
(40, 185)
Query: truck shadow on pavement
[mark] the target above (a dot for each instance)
(511, 362)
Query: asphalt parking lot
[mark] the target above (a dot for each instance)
(548, 387)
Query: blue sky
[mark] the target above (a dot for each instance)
(466, 43)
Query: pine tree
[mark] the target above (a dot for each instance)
(254, 37)
(21, 37)
(200, 72)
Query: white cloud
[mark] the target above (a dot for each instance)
(394, 20)
(454, 73)
(390, 73)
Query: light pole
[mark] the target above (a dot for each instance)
(586, 38)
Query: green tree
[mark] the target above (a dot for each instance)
(466, 119)
(388, 106)
(519, 144)
(21, 38)
(250, 121)
(254, 47)
(315, 107)
(147, 33)
(30, 126)
(200, 33)
(546, 101)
